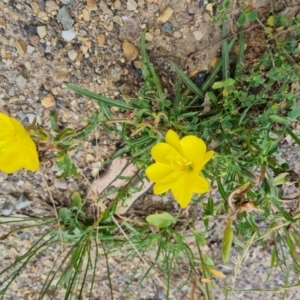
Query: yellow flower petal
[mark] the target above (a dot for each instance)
(197, 183)
(184, 188)
(199, 164)
(164, 153)
(193, 147)
(158, 171)
(182, 191)
(172, 139)
(17, 150)
(160, 188)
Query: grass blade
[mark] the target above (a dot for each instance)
(225, 53)
(99, 98)
(146, 60)
(239, 64)
(187, 81)
(293, 135)
(209, 81)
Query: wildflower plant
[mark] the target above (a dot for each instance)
(240, 113)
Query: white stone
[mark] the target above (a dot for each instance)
(69, 35)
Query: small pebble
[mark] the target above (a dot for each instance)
(69, 35)
(30, 49)
(21, 81)
(42, 31)
(131, 5)
(130, 51)
(72, 54)
(165, 15)
(101, 38)
(7, 208)
(48, 101)
(65, 18)
(167, 27)
(199, 34)
(105, 9)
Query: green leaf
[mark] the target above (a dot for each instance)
(67, 165)
(280, 179)
(227, 241)
(76, 200)
(285, 214)
(225, 53)
(53, 120)
(161, 220)
(149, 65)
(199, 237)
(218, 85)
(242, 20)
(229, 82)
(209, 208)
(210, 79)
(294, 113)
(293, 135)
(252, 16)
(99, 98)
(280, 120)
(187, 81)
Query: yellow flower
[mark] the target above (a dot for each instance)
(17, 149)
(177, 167)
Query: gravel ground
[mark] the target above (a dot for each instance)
(94, 44)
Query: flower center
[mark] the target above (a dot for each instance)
(183, 164)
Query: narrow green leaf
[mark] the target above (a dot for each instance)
(155, 78)
(199, 237)
(187, 81)
(285, 214)
(209, 208)
(280, 120)
(227, 241)
(53, 120)
(239, 63)
(100, 98)
(225, 53)
(221, 189)
(210, 79)
(177, 93)
(293, 135)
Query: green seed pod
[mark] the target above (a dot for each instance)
(227, 241)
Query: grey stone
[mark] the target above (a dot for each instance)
(22, 202)
(167, 27)
(65, 18)
(11, 92)
(105, 9)
(7, 208)
(21, 81)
